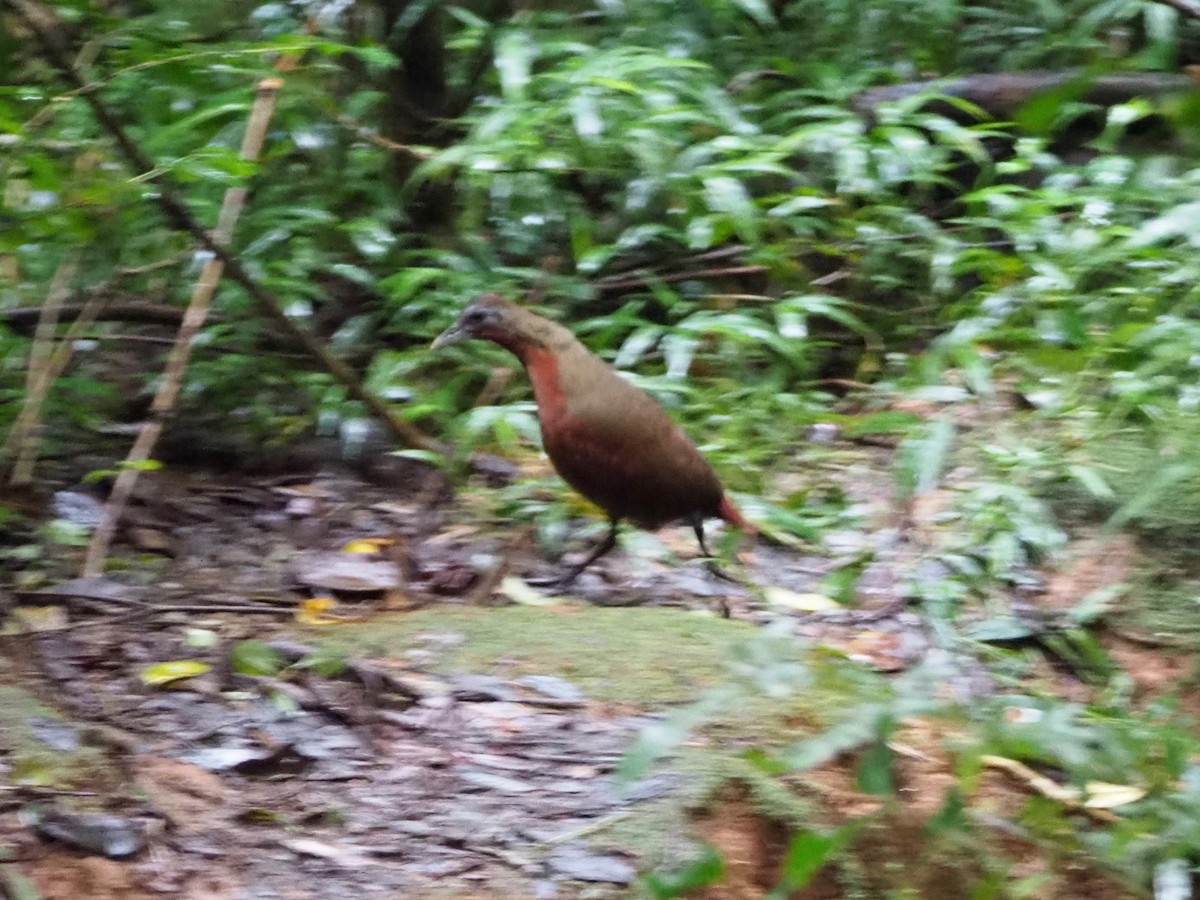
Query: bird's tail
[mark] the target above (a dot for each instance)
(733, 516)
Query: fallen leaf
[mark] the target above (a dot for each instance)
(36, 618)
(315, 611)
(173, 670)
(349, 857)
(518, 591)
(368, 545)
(200, 638)
(324, 570)
(1065, 794)
(1102, 795)
(778, 596)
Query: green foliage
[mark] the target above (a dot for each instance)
(807, 854)
(689, 187)
(708, 869)
(255, 657)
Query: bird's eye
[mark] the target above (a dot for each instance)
(475, 317)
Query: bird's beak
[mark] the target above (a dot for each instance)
(451, 335)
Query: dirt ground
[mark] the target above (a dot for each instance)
(411, 719)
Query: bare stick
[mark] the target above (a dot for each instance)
(30, 442)
(22, 438)
(193, 321)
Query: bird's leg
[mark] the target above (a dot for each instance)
(711, 564)
(609, 542)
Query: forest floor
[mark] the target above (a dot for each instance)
(305, 687)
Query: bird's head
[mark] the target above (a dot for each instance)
(491, 317)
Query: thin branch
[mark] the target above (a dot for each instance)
(366, 134)
(180, 217)
(624, 284)
(20, 317)
(165, 263)
(193, 320)
(22, 439)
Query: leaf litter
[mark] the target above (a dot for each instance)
(376, 775)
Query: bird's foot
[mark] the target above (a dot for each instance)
(555, 582)
(552, 582)
(714, 569)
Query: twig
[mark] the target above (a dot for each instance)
(143, 610)
(253, 609)
(832, 278)
(589, 829)
(615, 284)
(193, 320)
(19, 317)
(165, 263)
(140, 339)
(180, 217)
(26, 434)
(1070, 797)
(22, 438)
(76, 626)
(379, 140)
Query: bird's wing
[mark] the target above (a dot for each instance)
(633, 461)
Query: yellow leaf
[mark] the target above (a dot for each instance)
(173, 670)
(778, 596)
(368, 545)
(314, 611)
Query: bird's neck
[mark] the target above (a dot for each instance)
(543, 366)
(559, 368)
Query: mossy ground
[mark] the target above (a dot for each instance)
(647, 657)
(31, 761)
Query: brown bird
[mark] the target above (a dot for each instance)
(609, 440)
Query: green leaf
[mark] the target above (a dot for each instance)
(873, 774)
(515, 53)
(1150, 495)
(324, 662)
(658, 739)
(1092, 481)
(1000, 629)
(807, 853)
(66, 533)
(832, 742)
(1181, 222)
(430, 457)
(888, 422)
(728, 195)
(951, 817)
(255, 657)
(708, 869)
(758, 10)
(923, 457)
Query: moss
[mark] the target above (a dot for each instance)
(651, 657)
(648, 658)
(31, 761)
